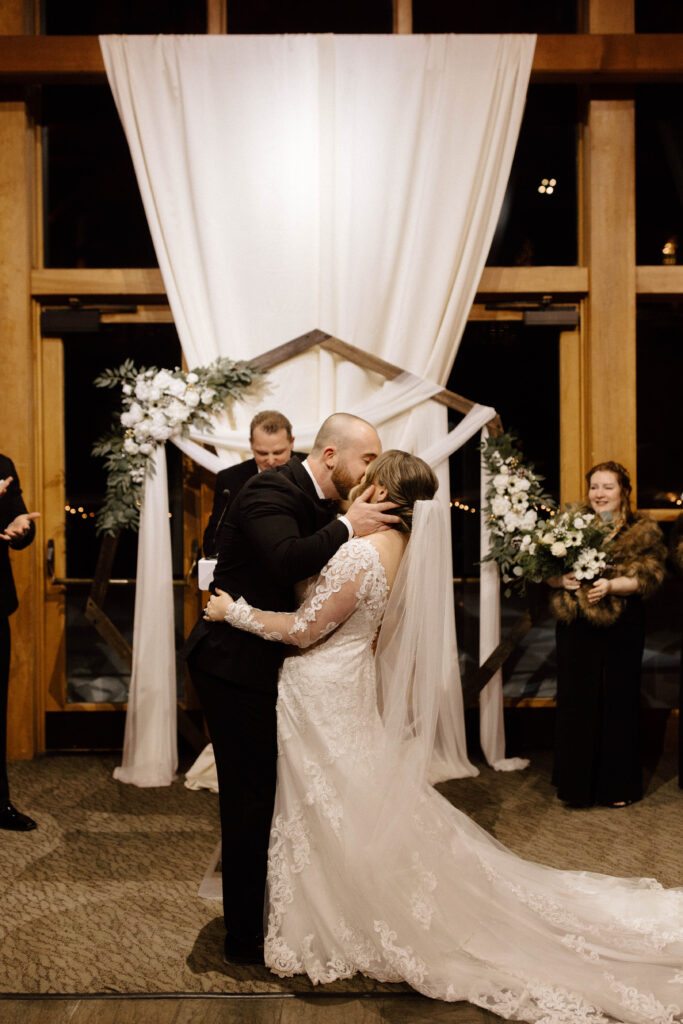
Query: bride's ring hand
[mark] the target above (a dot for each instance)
(217, 606)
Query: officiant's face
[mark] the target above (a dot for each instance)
(271, 449)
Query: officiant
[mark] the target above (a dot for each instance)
(272, 442)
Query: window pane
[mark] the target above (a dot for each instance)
(93, 214)
(94, 671)
(494, 16)
(501, 364)
(78, 18)
(659, 16)
(659, 174)
(261, 16)
(659, 374)
(538, 220)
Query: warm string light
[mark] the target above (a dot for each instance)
(462, 507)
(78, 510)
(547, 186)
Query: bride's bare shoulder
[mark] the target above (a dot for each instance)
(389, 544)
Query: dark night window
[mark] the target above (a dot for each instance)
(92, 206)
(538, 220)
(659, 174)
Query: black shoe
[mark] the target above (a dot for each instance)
(242, 954)
(11, 819)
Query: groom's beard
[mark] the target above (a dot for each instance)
(343, 481)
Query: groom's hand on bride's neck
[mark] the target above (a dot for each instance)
(368, 517)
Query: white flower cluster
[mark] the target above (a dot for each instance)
(158, 404)
(575, 530)
(509, 506)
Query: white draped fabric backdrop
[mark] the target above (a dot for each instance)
(348, 183)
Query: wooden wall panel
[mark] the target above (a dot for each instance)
(17, 410)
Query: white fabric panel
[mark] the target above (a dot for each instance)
(491, 725)
(150, 752)
(351, 183)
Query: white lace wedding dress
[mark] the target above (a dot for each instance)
(370, 871)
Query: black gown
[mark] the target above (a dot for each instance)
(597, 743)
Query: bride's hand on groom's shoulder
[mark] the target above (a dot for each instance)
(368, 517)
(217, 606)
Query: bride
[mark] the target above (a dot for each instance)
(369, 868)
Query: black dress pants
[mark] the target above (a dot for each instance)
(4, 686)
(242, 726)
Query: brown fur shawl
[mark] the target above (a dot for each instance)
(637, 550)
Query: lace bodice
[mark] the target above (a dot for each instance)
(352, 584)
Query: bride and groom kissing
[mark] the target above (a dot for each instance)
(325, 806)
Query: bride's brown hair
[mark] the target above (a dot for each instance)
(407, 479)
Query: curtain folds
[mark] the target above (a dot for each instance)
(350, 183)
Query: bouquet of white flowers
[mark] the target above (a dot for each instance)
(514, 498)
(157, 404)
(574, 541)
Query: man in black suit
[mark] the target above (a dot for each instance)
(16, 531)
(280, 529)
(271, 440)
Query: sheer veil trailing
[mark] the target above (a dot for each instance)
(418, 681)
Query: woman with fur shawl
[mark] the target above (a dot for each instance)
(600, 642)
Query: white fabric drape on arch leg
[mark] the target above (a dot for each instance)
(351, 183)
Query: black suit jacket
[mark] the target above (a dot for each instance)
(11, 506)
(230, 480)
(276, 533)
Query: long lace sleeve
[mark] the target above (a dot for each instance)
(340, 587)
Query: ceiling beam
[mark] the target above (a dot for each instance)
(558, 58)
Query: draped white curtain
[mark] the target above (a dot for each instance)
(351, 183)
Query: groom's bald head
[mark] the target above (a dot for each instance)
(345, 445)
(341, 430)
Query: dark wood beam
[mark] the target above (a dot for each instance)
(558, 58)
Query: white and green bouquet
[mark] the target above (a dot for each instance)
(530, 539)
(573, 541)
(158, 404)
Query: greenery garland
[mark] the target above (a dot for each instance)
(158, 404)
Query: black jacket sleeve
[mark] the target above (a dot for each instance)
(272, 519)
(12, 505)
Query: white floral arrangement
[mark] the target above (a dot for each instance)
(530, 540)
(158, 404)
(574, 541)
(514, 498)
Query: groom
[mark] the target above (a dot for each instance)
(281, 528)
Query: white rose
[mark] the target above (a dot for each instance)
(192, 378)
(529, 520)
(142, 390)
(191, 398)
(579, 523)
(511, 520)
(548, 538)
(127, 389)
(500, 505)
(146, 448)
(142, 429)
(177, 412)
(208, 395)
(558, 549)
(177, 387)
(160, 433)
(130, 446)
(500, 482)
(162, 380)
